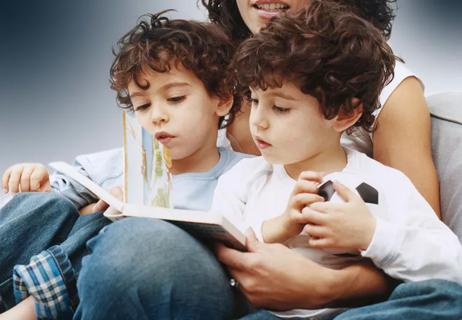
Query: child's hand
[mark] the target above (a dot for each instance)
(292, 221)
(26, 177)
(101, 205)
(333, 225)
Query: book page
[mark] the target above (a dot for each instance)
(146, 167)
(103, 194)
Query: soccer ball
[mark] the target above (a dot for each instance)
(367, 192)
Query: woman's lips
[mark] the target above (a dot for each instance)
(269, 9)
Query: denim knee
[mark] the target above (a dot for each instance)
(432, 290)
(42, 204)
(423, 300)
(155, 268)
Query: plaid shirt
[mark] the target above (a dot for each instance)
(48, 282)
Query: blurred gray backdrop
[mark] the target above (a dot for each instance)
(55, 101)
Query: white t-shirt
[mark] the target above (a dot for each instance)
(409, 243)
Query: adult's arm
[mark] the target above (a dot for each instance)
(274, 277)
(402, 139)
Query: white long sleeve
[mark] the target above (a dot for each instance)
(410, 243)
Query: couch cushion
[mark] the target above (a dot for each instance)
(446, 112)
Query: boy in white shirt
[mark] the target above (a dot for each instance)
(313, 76)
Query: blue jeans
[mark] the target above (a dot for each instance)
(426, 300)
(33, 222)
(150, 269)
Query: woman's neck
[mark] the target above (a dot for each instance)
(238, 132)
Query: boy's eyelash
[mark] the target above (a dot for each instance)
(252, 100)
(141, 107)
(281, 109)
(176, 99)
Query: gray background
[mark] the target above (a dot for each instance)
(55, 101)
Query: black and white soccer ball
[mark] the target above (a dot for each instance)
(368, 193)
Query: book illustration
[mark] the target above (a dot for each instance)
(147, 166)
(147, 189)
(203, 224)
(157, 178)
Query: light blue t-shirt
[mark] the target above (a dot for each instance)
(193, 191)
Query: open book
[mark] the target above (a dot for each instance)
(202, 224)
(146, 166)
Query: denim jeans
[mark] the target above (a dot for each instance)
(33, 222)
(150, 269)
(425, 300)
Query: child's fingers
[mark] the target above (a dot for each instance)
(100, 206)
(320, 243)
(315, 231)
(305, 186)
(38, 177)
(25, 182)
(313, 217)
(6, 179)
(344, 192)
(310, 176)
(45, 187)
(301, 200)
(15, 178)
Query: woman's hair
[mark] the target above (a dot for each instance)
(378, 12)
(161, 44)
(226, 14)
(327, 51)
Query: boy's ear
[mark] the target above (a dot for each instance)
(224, 105)
(345, 120)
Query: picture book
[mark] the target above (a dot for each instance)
(203, 224)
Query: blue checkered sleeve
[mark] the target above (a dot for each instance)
(43, 279)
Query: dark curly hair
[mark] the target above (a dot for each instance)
(160, 44)
(327, 51)
(226, 14)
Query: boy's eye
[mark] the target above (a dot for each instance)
(253, 101)
(141, 107)
(280, 109)
(176, 99)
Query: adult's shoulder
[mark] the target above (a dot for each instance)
(401, 72)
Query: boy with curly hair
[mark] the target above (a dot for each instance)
(172, 75)
(312, 76)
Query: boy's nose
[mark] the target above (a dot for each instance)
(259, 120)
(158, 117)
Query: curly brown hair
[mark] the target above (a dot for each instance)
(327, 51)
(160, 44)
(226, 14)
